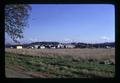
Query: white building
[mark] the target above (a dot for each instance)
(11, 47)
(36, 46)
(60, 46)
(42, 47)
(19, 47)
(69, 46)
(108, 47)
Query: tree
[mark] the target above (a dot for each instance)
(16, 16)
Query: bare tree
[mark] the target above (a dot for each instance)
(16, 16)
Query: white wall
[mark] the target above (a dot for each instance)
(19, 47)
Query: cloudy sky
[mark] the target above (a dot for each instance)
(70, 23)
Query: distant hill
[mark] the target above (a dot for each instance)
(110, 44)
(96, 45)
(44, 43)
(77, 45)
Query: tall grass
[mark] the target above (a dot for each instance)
(99, 54)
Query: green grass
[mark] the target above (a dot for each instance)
(60, 66)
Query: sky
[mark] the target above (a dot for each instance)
(70, 23)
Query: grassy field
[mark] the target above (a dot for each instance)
(60, 63)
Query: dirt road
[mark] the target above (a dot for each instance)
(15, 74)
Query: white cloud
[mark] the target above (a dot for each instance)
(105, 38)
(67, 39)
